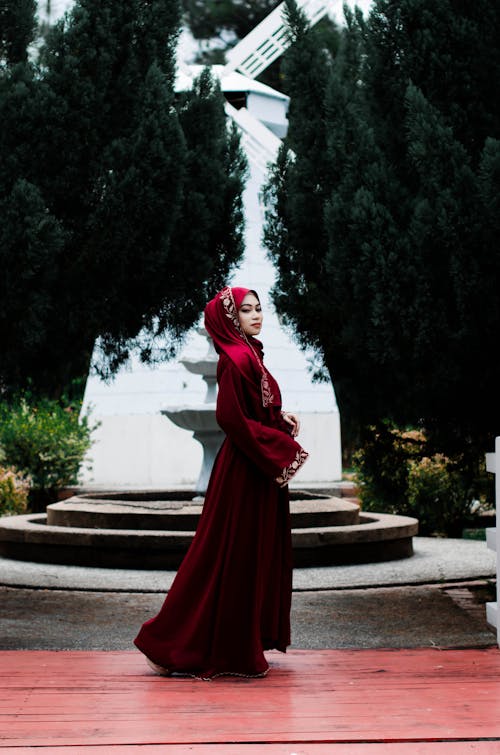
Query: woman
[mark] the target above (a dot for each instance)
(231, 597)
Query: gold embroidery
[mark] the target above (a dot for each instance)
(267, 396)
(226, 296)
(289, 471)
(229, 673)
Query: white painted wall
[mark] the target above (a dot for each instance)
(272, 112)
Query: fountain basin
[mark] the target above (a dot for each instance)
(117, 531)
(163, 513)
(198, 419)
(205, 367)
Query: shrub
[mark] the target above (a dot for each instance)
(398, 473)
(14, 489)
(438, 495)
(381, 466)
(46, 440)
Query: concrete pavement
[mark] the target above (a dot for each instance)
(435, 560)
(435, 598)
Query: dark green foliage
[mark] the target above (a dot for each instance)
(448, 51)
(210, 228)
(387, 262)
(97, 174)
(399, 472)
(17, 27)
(382, 466)
(295, 233)
(30, 240)
(46, 441)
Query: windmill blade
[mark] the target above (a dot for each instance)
(259, 142)
(255, 52)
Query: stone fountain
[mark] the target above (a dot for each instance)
(200, 420)
(153, 529)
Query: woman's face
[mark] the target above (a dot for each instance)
(250, 315)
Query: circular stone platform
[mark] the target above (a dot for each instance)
(152, 530)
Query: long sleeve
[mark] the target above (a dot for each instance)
(275, 452)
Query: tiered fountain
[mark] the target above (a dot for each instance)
(153, 529)
(200, 420)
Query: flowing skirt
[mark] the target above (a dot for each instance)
(231, 597)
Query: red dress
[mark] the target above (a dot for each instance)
(231, 597)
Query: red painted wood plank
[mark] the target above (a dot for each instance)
(89, 698)
(365, 748)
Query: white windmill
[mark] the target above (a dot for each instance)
(137, 447)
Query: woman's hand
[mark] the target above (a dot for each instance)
(293, 421)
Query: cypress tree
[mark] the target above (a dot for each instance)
(208, 237)
(95, 134)
(30, 239)
(295, 234)
(310, 292)
(409, 199)
(425, 72)
(17, 29)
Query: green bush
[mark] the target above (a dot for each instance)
(46, 440)
(438, 495)
(14, 489)
(398, 473)
(381, 466)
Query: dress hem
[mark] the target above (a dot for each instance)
(163, 671)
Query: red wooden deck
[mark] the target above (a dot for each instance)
(313, 702)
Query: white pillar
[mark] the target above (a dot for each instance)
(493, 535)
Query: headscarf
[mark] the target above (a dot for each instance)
(223, 326)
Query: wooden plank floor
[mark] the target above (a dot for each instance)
(394, 748)
(313, 702)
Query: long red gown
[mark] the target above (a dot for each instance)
(231, 597)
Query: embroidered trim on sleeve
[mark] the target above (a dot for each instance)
(289, 471)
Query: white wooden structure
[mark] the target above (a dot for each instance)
(493, 536)
(264, 44)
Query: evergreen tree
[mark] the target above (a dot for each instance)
(17, 27)
(298, 192)
(95, 136)
(426, 70)
(209, 230)
(363, 330)
(295, 233)
(30, 239)
(403, 289)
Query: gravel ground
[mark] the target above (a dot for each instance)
(404, 616)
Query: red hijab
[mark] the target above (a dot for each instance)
(223, 326)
